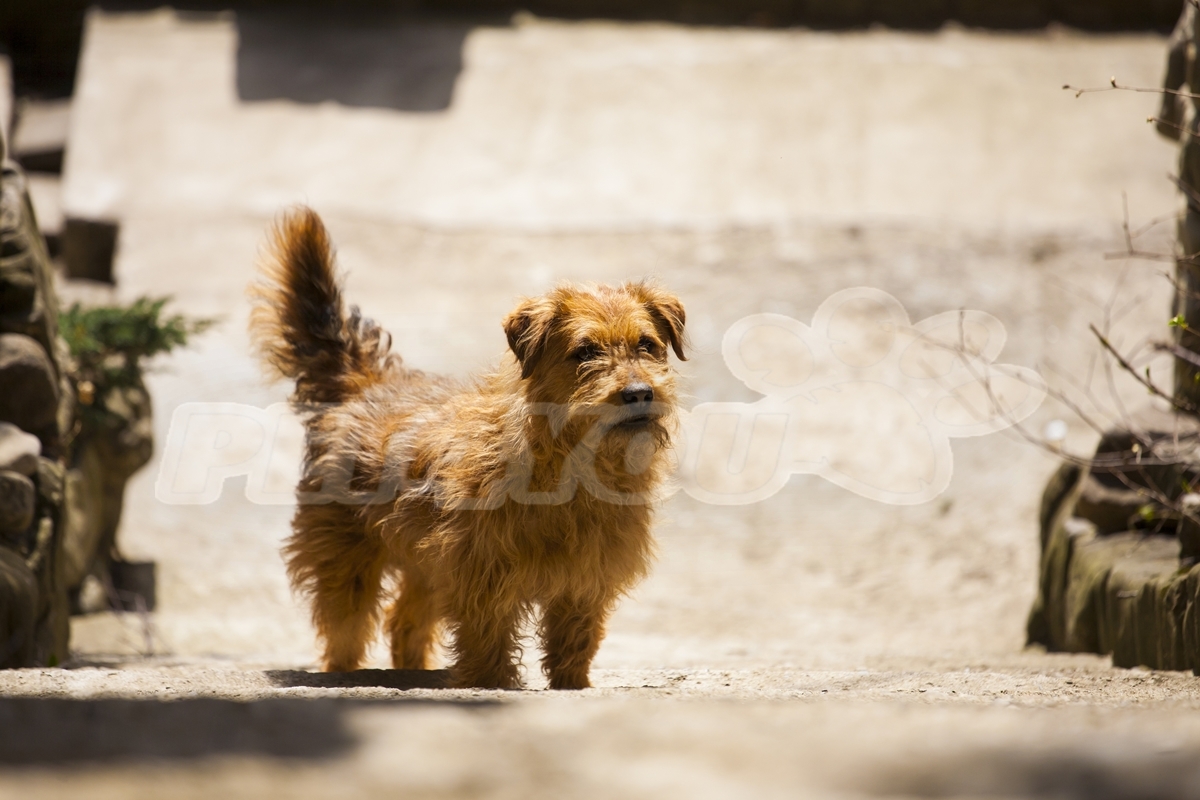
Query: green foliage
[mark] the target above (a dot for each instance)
(1177, 321)
(110, 343)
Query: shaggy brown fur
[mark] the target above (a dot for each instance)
(527, 487)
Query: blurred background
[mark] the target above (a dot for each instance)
(753, 157)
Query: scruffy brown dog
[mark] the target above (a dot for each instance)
(527, 487)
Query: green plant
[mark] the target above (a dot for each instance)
(111, 343)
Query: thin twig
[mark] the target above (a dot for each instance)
(1181, 405)
(1113, 86)
(1181, 353)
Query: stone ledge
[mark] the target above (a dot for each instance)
(1125, 594)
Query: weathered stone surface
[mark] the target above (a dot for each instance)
(1105, 587)
(30, 396)
(19, 450)
(127, 444)
(84, 498)
(1189, 529)
(18, 611)
(1122, 594)
(103, 460)
(1148, 461)
(27, 300)
(5, 103)
(37, 397)
(1045, 625)
(1055, 497)
(17, 500)
(1111, 509)
(44, 558)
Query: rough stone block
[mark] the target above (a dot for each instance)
(1123, 594)
(27, 303)
(19, 450)
(1112, 508)
(30, 396)
(17, 502)
(18, 611)
(1189, 530)
(6, 102)
(83, 531)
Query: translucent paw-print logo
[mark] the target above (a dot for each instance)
(862, 397)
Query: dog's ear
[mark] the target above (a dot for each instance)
(667, 312)
(528, 331)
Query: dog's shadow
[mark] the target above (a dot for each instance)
(361, 678)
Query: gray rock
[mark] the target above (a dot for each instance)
(34, 395)
(1189, 530)
(19, 450)
(18, 498)
(1113, 509)
(18, 611)
(6, 102)
(30, 395)
(85, 526)
(27, 298)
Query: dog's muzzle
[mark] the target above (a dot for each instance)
(638, 398)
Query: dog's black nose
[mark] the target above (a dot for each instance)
(637, 393)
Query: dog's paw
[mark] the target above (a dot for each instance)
(570, 682)
(505, 681)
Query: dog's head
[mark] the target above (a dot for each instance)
(600, 353)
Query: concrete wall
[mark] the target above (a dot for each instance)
(1103, 14)
(42, 36)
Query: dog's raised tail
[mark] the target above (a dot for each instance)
(300, 323)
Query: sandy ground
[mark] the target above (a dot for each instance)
(815, 643)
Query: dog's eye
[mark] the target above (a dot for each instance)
(648, 345)
(585, 353)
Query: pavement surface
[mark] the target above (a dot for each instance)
(816, 643)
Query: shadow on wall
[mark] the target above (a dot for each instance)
(361, 60)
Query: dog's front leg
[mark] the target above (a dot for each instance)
(571, 631)
(486, 646)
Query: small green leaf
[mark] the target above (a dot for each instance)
(1146, 512)
(1177, 321)
(1187, 487)
(110, 344)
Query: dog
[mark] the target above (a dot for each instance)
(470, 505)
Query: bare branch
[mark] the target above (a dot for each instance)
(1181, 405)
(1181, 353)
(1113, 86)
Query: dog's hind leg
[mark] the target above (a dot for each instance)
(571, 632)
(331, 558)
(412, 622)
